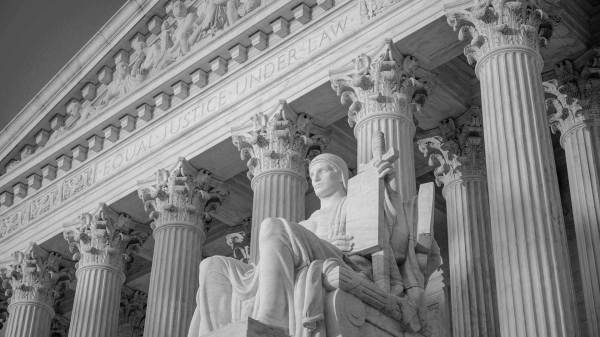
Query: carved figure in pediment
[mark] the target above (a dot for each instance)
(180, 31)
(121, 84)
(137, 59)
(284, 289)
(214, 15)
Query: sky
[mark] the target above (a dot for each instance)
(37, 38)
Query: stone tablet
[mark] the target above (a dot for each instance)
(426, 205)
(364, 218)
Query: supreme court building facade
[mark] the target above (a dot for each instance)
(182, 125)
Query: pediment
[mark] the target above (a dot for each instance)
(150, 53)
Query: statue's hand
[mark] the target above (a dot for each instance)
(384, 167)
(343, 242)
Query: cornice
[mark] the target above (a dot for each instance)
(76, 69)
(210, 128)
(159, 91)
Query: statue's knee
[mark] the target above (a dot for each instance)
(270, 228)
(211, 264)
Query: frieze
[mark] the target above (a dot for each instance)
(77, 183)
(47, 200)
(170, 38)
(44, 202)
(173, 125)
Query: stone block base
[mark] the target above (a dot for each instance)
(250, 328)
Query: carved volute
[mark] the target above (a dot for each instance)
(182, 195)
(458, 151)
(386, 83)
(106, 238)
(573, 97)
(280, 141)
(495, 24)
(34, 276)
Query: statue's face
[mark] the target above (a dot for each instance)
(326, 180)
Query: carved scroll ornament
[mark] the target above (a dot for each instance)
(493, 24)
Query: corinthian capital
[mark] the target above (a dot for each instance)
(35, 275)
(386, 83)
(181, 195)
(574, 96)
(458, 151)
(493, 24)
(105, 238)
(279, 141)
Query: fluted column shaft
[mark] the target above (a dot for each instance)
(96, 305)
(535, 289)
(173, 279)
(177, 200)
(474, 311)
(32, 283)
(276, 147)
(100, 246)
(278, 193)
(399, 130)
(28, 319)
(582, 150)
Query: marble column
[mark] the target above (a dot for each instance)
(574, 109)
(31, 286)
(534, 283)
(177, 201)
(100, 246)
(459, 163)
(276, 146)
(384, 92)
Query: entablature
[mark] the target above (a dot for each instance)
(204, 118)
(170, 54)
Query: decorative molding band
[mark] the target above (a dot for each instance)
(117, 103)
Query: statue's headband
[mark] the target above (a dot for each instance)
(338, 163)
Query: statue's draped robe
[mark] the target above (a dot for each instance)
(286, 282)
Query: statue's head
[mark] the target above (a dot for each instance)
(329, 174)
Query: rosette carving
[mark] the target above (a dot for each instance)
(281, 141)
(493, 24)
(183, 195)
(457, 151)
(106, 238)
(386, 83)
(574, 96)
(35, 275)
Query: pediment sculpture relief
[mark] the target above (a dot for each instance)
(170, 38)
(304, 269)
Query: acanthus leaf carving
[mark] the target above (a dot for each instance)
(171, 37)
(386, 83)
(280, 141)
(183, 194)
(493, 24)
(573, 97)
(104, 238)
(133, 310)
(239, 240)
(457, 151)
(35, 275)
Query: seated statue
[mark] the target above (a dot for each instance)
(284, 289)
